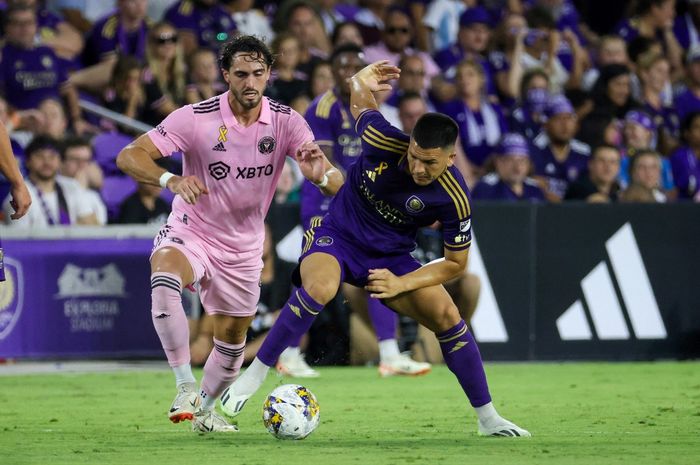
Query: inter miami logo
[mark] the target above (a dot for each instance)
(219, 170)
(414, 204)
(266, 145)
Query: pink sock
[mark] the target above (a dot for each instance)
(222, 368)
(169, 317)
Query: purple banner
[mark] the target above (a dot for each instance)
(77, 297)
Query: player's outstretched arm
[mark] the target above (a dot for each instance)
(138, 161)
(372, 78)
(383, 284)
(21, 200)
(316, 167)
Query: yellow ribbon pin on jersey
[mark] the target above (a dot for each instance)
(222, 134)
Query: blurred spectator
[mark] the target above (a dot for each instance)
(249, 21)
(612, 49)
(299, 18)
(612, 92)
(688, 99)
(123, 32)
(686, 28)
(481, 123)
(559, 159)
(653, 19)
(144, 207)
(202, 23)
(333, 13)
(286, 82)
(472, 41)
(204, 77)
(599, 128)
(645, 174)
(507, 48)
(371, 19)
(510, 182)
(347, 33)
(82, 13)
(653, 71)
(125, 93)
(77, 163)
(57, 200)
(165, 70)
(599, 184)
(56, 123)
(686, 160)
(411, 79)
(528, 117)
(442, 22)
(30, 73)
(411, 107)
(7, 120)
(65, 40)
(321, 79)
(396, 40)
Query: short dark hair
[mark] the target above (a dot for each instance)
(41, 142)
(540, 18)
(345, 48)
(435, 130)
(599, 147)
(72, 142)
(409, 96)
(339, 27)
(687, 123)
(248, 45)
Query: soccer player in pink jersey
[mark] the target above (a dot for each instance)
(234, 148)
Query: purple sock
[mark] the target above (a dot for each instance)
(294, 321)
(383, 319)
(462, 357)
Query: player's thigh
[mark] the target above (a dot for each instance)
(320, 276)
(357, 299)
(231, 329)
(172, 260)
(430, 306)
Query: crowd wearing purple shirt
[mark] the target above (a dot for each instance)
(538, 69)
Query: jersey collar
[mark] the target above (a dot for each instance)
(227, 114)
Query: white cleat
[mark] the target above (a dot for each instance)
(403, 365)
(500, 427)
(186, 402)
(293, 365)
(211, 422)
(232, 404)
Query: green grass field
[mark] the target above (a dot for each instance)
(578, 413)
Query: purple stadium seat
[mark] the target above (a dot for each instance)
(114, 191)
(106, 147)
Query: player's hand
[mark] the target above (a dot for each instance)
(21, 200)
(311, 162)
(383, 284)
(377, 75)
(188, 187)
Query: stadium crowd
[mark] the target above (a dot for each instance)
(548, 109)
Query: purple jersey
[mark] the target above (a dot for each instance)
(212, 25)
(664, 117)
(685, 31)
(479, 131)
(559, 174)
(28, 76)
(448, 58)
(686, 172)
(333, 127)
(380, 208)
(491, 187)
(685, 103)
(108, 36)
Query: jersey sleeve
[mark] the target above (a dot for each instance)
(378, 136)
(456, 213)
(319, 118)
(299, 132)
(175, 133)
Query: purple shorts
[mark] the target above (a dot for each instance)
(355, 261)
(2, 264)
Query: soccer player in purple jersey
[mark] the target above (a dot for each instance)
(333, 126)
(398, 185)
(234, 146)
(21, 200)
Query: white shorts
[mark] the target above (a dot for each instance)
(229, 282)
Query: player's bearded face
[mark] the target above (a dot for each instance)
(247, 79)
(426, 165)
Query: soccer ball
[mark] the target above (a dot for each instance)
(290, 411)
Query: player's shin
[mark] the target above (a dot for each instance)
(462, 357)
(294, 320)
(170, 323)
(222, 368)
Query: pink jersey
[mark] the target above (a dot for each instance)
(239, 166)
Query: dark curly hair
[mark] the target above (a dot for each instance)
(245, 44)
